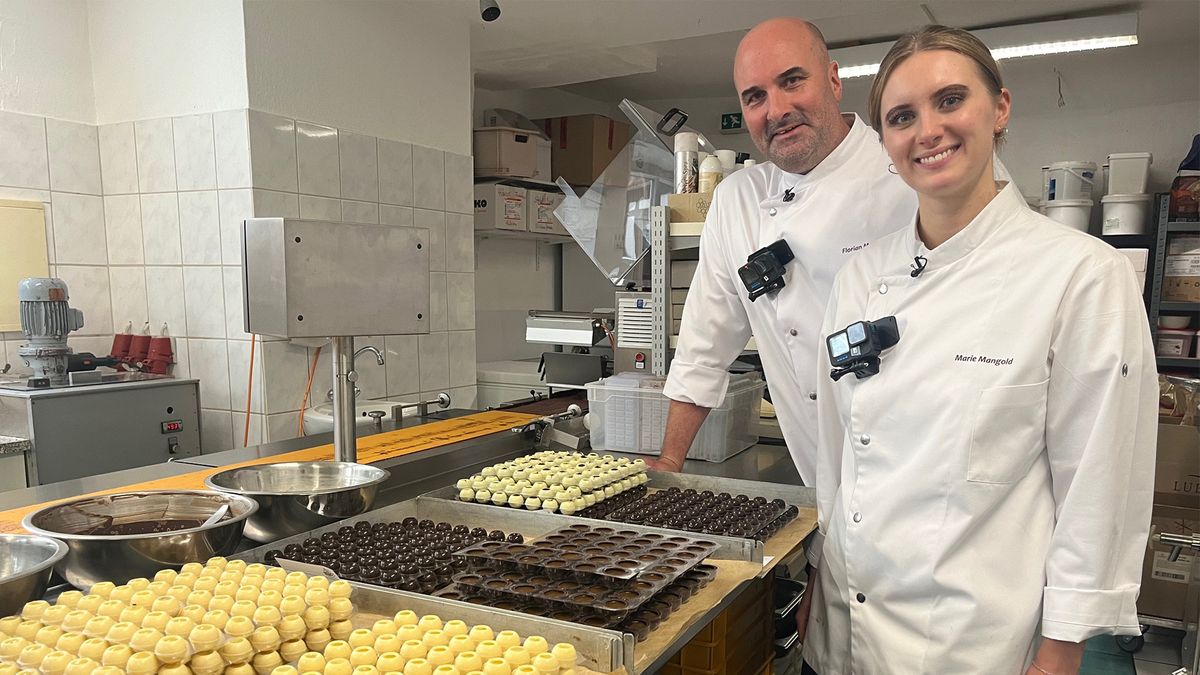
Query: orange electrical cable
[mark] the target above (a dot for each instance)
(312, 370)
(249, 393)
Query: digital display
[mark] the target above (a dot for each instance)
(857, 333)
(839, 346)
(172, 426)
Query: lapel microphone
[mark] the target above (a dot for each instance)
(918, 266)
(788, 195)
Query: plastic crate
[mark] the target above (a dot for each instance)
(629, 414)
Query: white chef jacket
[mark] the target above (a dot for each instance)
(998, 471)
(846, 202)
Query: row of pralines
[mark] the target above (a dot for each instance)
(701, 511)
(410, 555)
(640, 621)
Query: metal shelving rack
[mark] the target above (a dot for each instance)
(1166, 228)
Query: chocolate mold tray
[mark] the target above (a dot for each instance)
(602, 555)
(700, 511)
(638, 621)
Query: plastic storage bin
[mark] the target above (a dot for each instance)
(1175, 342)
(628, 413)
(1128, 172)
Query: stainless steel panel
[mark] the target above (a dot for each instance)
(306, 278)
(84, 431)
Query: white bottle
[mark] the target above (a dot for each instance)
(728, 162)
(710, 173)
(686, 162)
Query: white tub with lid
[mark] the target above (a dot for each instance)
(1128, 172)
(1070, 181)
(1074, 213)
(1125, 214)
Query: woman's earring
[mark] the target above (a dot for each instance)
(892, 170)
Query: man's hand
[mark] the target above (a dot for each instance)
(805, 607)
(1055, 657)
(664, 464)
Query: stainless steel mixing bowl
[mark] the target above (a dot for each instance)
(26, 563)
(295, 497)
(94, 555)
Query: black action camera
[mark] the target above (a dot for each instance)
(856, 348)
(764, 269)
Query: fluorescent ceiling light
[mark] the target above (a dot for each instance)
(1012, 42)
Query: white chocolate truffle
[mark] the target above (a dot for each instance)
(340, 609)
(340, 630)
(171, 649)
(158, 620)
(93, 649)
(117, 655)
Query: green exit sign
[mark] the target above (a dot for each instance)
(731, 123)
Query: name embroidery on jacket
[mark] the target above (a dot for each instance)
(856, 247)
(974, 358)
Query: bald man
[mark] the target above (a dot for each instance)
(826, 191)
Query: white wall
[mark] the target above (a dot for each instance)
(398, 70)
(45, 67)
(154, 59)
(512, 276)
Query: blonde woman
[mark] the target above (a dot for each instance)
(984, 499)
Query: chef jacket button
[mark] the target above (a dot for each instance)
(861, 598)
(882, 289)
(812, 395)
(865, 439)
(792, 332)
(1124, 370)
(857, 517)
(773, 211)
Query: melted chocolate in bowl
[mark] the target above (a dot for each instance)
(143, 527)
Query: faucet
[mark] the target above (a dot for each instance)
(378, 354)
(378, 359)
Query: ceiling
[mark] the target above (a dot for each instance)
(654, 49)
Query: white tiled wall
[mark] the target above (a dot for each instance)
(143, 223)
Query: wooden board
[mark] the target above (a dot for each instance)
(376, 448)
(22, 255)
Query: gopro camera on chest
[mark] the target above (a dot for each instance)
(857, 347)
(764, 269)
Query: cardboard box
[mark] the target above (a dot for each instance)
(1184, 244)
(582, 146)
(1181, 289)
(691, 207)
(682, 273)
(1182, 265)
(543, 170)
(541, 213)
(500, 207)
(504, 151)
(1177, 471)
(1165, 584)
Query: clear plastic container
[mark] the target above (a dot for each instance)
(629, 414)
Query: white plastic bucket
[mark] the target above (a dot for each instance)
(1070, 212)
(1125, 214)
(1128, 172)
(1071, 181)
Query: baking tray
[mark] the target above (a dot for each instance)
(601, 650)
(770, 553)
